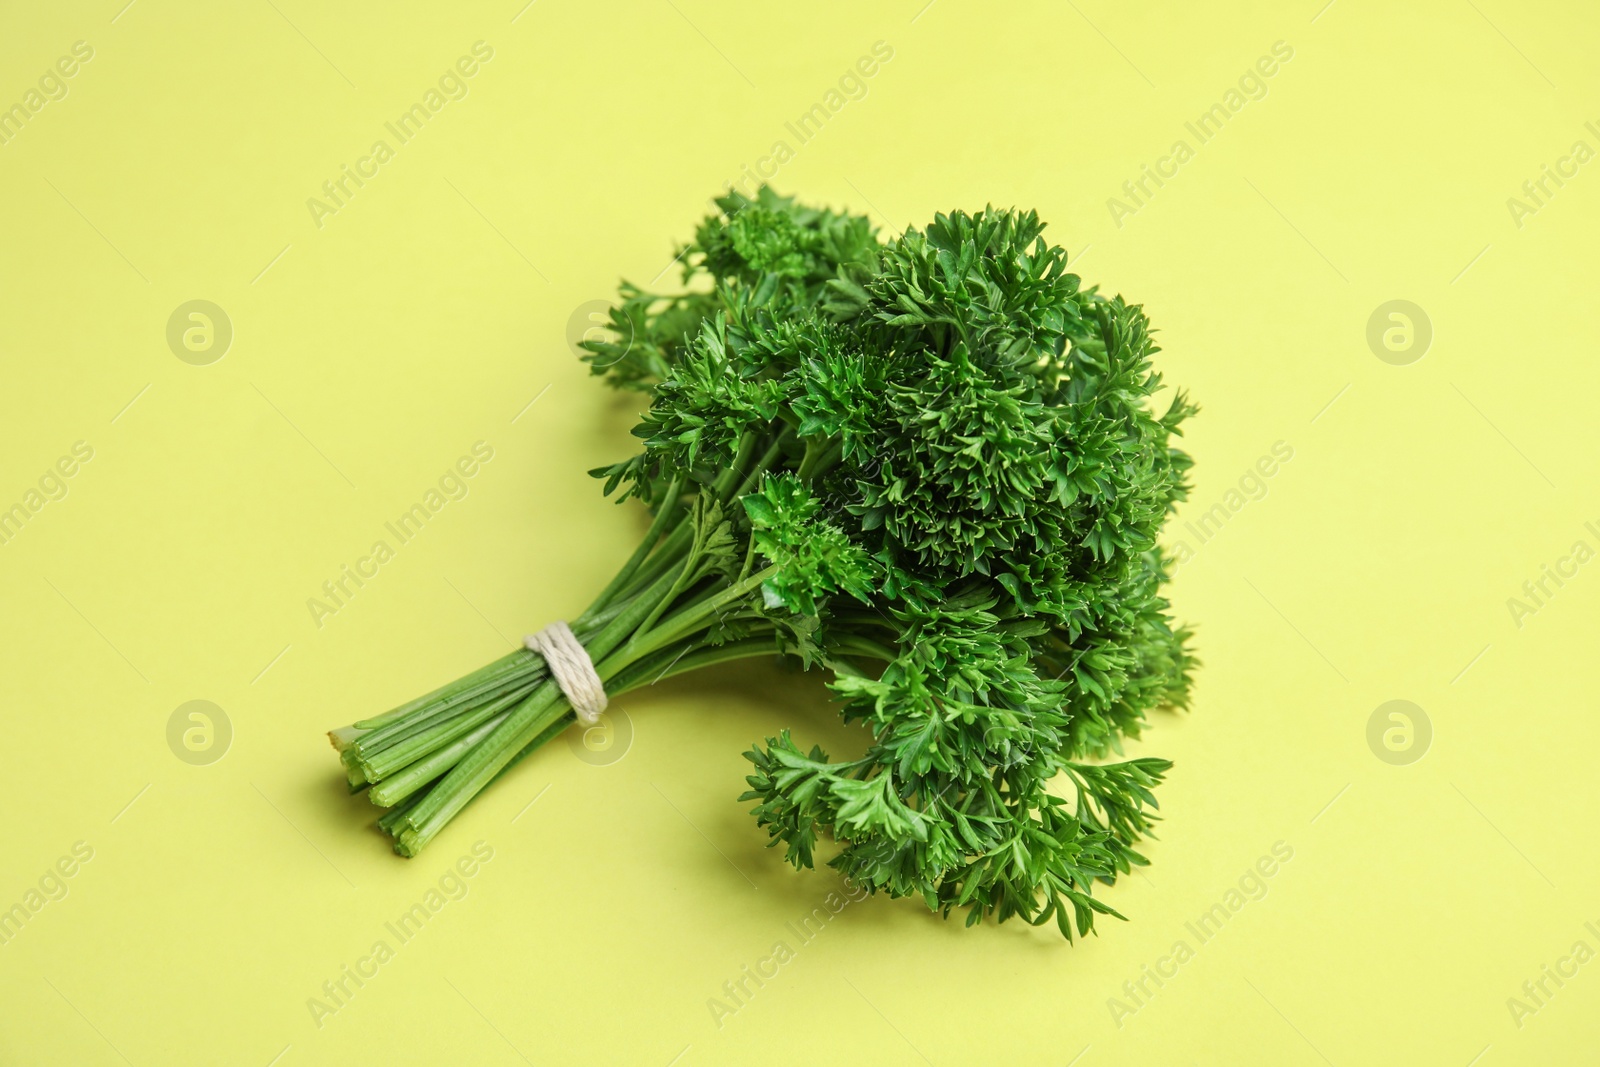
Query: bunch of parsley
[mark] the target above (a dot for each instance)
(931, 467)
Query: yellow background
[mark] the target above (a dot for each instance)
(433, 307)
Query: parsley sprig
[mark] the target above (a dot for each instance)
(931, 467)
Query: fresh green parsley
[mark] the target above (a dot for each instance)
(930, 467)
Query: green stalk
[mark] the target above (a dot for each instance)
(670, 551)
(725, 481)
(536, 713)
(508, 669)
(681, 624)
(644, 673)
(664, 515)
(682, 536)
(767, 460)
(399, 786)
(391, 760)
(443, 692)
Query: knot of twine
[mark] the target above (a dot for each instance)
(572, 669)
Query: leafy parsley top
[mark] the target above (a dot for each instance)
(968, 485)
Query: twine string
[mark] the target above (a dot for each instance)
(572, 669)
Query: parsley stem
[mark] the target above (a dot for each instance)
(665, 514)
